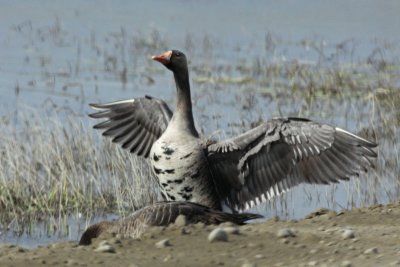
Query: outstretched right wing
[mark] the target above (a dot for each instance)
(282, 153)
(135, 123)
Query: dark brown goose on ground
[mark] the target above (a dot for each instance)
(162, 214)
(242, 171)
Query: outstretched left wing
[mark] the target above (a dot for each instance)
(135, 123)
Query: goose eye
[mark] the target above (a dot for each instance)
(177, 54)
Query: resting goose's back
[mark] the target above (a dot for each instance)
(241, 171)
(162, 214)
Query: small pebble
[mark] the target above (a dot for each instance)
(218, 234)
(181, 220)
(185, 231)
(22, 250)
(163, 243)
(71, 262)
(348, 234)
(259, 256)
(248, 228)
(200, 225)
(232, 230)
(330, 244)
(371, 251)
(116, 241)
(312, 263)
(299, 245)
(249, 264)
(167, 258)
(104, 246)
(346, 264)
(362, 256)
(285, 232)
(285, 241)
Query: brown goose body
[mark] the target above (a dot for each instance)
(162, 214)
(240, 172)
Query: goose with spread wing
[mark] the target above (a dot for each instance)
(242, 171)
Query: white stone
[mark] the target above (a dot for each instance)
(285, 232)
(181, 220)
(346, 264)
(218, 234)
(348, 234)
(232, 230)
(104, 246)
(163, 243)
(371, 251)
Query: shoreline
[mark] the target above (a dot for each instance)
(358, 237)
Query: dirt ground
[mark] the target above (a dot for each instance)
(360, 237)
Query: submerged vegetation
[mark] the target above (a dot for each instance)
(52, 163)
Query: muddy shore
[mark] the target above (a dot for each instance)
(359, 237)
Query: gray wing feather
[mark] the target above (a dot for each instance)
(164, 213)
(135, 124)
(282, 153)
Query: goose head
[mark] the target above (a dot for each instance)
(173, 60)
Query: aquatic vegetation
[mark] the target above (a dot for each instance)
(57, 166)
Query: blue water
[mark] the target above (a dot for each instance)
(60, 54)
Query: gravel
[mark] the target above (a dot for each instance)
(348, 234)
(346, 264)
(181, 221)
(371, 251)
(312, 263)
(163, 243)
(105, 247)
(235, 230)
(285, 232)
(218, 234)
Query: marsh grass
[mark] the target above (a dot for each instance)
(56, 166)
